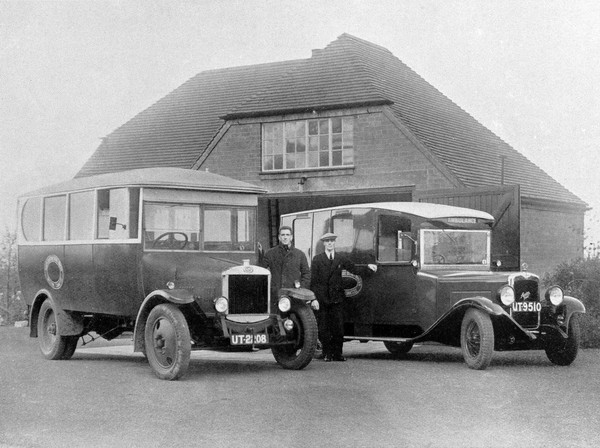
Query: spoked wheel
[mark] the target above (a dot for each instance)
(563, 354)
(53, 345)
(167, 342)
(477, 339)
(398, 348)
(300, 354)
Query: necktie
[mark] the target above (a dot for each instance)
(331, 256)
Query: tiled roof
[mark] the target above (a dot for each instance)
(348, 72)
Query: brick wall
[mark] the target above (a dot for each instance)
(383, 157)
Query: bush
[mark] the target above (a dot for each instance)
(581, 279)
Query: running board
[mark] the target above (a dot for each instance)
(376, 338)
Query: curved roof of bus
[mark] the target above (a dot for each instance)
(178, 178)
(421, 209)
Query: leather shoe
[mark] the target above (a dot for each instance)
(327, 358)
(339, 358)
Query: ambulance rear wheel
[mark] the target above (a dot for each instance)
(398, 348)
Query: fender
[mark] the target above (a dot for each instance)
(572, 306)
(175, 296)
(447, 328)
(67, 323)
(298, 296)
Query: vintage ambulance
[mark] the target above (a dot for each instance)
(436, 281)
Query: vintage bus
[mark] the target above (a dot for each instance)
(165, 253)
(436, 282)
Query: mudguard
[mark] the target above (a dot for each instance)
(447, 328)
(572, 306)
(298, 296)
(67, 323)
(175, 296)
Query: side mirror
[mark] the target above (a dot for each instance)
(112, 224)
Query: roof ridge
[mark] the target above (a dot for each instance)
(346, 36)
(361, 62)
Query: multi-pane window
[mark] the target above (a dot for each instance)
(318, 143)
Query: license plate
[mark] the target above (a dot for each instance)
(249, 339)
(526, 307)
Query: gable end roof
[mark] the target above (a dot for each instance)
(349, 72)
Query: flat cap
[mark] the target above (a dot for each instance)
(329, 236)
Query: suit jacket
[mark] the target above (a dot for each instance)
(326, 277)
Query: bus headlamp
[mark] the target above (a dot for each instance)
(555, 294)
(221, 305)
(285, 304)
(507, 295)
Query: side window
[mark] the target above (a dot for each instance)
(117, 214)
(81, 215)
(355, 232)
(31, 215)
(303, 235)
(391, 245)
(54, 218)
(321, 225)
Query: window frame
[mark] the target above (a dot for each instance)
(282, 143)
(202, 208)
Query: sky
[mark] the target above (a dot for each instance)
(71, 72)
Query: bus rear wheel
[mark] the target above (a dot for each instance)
(53, 345)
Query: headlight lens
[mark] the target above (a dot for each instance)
(170, 285)
(555, 294)
(284, 304)
(507, 295)
(221, 305)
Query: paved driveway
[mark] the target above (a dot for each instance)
(106, 396)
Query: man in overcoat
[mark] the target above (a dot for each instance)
(288, 265)
(326, 283)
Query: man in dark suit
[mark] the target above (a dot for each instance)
(288, 265)
(326, 283)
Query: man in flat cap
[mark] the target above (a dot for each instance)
(326, 283)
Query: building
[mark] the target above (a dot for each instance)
(350, 124)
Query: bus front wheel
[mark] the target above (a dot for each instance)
(167, 342)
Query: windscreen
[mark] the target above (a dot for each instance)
(455, 247)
